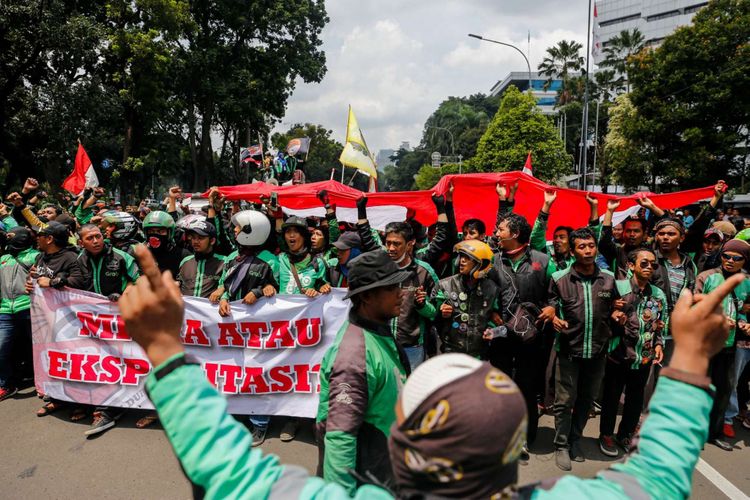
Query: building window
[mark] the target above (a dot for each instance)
(546, 101)
(693, 8)
(663, 15)
(631, 17)
(654, 41)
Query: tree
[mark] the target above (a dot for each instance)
(562, 60)
(517, 128)
(619, 49)
(691, 96)
(628, 162)
(324, 151)
(466, 118)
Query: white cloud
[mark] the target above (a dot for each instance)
(395, 61)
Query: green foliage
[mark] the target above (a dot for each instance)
(400, 175)
(324, 151)
(628, 161)
(517, 128)
(428, 176)
(616, 55)
(691, 97)
(466, 118)
(562, 60)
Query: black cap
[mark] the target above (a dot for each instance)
(202, 228)
(373, 270)
(19, 238)
(294, 221)
(59, 232)
(347, 240)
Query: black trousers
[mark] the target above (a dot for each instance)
(721, 370)
(619, 377)
(577, 384)
(521, 362)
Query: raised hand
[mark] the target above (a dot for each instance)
(502, 191)
(30, 185)
(613, 205)
(592, 200)
(153, 310)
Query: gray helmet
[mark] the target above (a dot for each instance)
(254, 228)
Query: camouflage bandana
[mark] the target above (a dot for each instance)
(463, 440)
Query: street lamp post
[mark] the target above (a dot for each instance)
(478, 37)
(453, 151)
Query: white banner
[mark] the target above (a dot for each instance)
(265, 358)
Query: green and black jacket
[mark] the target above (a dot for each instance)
(586, 303)
(200, 274)
(108, 273)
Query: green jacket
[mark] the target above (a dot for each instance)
(215, 453)
(360, 378)
(13, 274)
(311, 274)
(635, 342)
(707, 281)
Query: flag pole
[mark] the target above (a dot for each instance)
(342, 173)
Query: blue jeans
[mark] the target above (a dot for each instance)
(741, 358)
(260, 421)
(415, 355)
(15, 345)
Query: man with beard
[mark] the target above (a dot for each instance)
(581, 301)
(108, 272)
(638, 343)
(735, 255)
(15, 304)
(160, 229)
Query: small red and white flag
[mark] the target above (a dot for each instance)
(83, 174)
(527, 166)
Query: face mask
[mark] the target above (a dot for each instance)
(158, 242)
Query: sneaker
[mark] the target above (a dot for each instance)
(102, 422)
(607, 446)
(562, 459)
(720, 443)
(524, 456)
(625, 443)
(259, 435)
(729, 430)
(576, 453)
(289, 430)
(746, 423)
(6, 393)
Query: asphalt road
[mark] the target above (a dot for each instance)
(50, 458)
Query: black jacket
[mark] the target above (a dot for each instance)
(62, 268)
(245, 274)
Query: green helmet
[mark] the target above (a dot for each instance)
(159, 219)
(743, 235)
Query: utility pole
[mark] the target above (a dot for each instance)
(585, 122)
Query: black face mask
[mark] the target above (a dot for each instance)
(158, 242)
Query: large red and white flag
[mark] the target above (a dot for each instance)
(83, 174)
(527, 166)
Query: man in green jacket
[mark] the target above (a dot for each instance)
(15, 304)
(361, 375)
(214, 449)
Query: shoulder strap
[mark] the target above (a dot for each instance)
(295, 274)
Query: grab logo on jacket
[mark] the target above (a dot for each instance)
(306, 281)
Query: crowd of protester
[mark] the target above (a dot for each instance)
(567, 327)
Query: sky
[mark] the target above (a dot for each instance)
(395, 61)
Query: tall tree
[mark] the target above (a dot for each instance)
(617, 52)
(562, 60)
(517, 128)
(692, 97)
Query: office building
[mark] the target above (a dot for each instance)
(655, 19)
(545, 97)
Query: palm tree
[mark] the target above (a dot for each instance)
(561, 60)
(619, 49)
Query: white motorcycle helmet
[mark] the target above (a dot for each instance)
(254, 228)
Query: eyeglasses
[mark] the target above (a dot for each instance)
(645, 264)
(733, 258)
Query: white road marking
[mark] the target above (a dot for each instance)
(730, 490)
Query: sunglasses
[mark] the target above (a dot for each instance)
(733, 258)
(645, 264)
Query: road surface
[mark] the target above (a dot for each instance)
(49, 457)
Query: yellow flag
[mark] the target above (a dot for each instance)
(355, 153)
